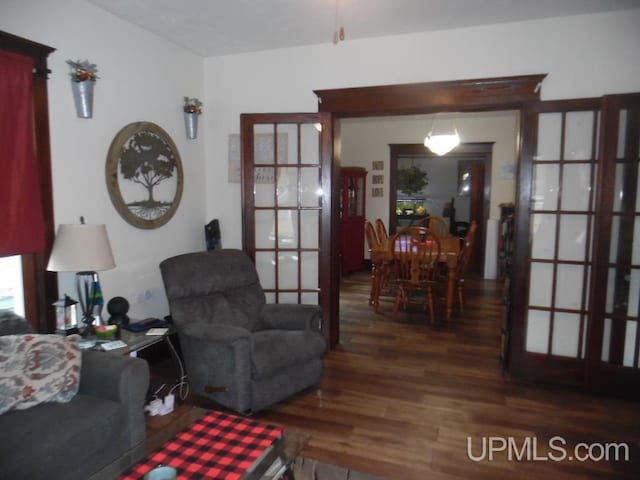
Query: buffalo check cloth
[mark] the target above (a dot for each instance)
(217, 446)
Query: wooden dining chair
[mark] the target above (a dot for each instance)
(371, 235)
(463, 261)
(438, 225)
(416, 255)
(381, 230)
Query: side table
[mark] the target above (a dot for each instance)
(136, 341)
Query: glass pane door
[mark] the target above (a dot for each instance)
(283, 202)
(620, 339)
(562, 210)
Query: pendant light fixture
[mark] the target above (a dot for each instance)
(338, 31)
(441, 141)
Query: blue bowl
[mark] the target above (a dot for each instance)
(162, 473)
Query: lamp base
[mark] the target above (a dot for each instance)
(91, 301)
(88, 330)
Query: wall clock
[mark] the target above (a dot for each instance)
(144, 175)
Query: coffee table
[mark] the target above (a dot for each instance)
(220, 446)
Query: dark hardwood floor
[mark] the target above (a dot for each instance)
(404, 399)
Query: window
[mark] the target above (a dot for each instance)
(11, 291)
(40, 286)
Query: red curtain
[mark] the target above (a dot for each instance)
(21, 217)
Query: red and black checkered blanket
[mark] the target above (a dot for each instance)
(217, 446)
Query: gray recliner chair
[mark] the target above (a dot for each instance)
(238, 350)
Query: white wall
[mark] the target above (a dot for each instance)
(142, 78)
(588, 55)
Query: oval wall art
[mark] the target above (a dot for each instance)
(144, 175)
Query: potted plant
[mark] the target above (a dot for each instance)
(412, 180)
(83, 78)
(192, 108)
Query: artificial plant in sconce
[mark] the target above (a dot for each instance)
(192, 105)
(82, 71)
(83, 78)
(192, 108)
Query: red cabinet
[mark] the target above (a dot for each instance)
(352, 217)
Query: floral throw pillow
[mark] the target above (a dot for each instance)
(37, 368)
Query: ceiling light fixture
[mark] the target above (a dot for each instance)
(338, 32)
(442, 142)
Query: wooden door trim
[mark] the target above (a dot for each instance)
(480, 94)
(488, 94)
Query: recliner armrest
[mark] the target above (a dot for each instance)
(292, 316)
(215, 332)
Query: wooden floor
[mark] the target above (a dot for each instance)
(404, 399)
(401, 399)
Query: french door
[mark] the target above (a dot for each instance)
(577, 258)
(614, 339)
(287, 177)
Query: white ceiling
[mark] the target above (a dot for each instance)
(221, 27)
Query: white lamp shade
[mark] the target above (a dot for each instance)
(81, 248)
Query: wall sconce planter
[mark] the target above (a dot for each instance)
(83, 98)
(83, 79)
(192, 109)
(191, 124)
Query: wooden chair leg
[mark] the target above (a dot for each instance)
(460, 297)
(399, 299)
(430, 300)
(373, 284)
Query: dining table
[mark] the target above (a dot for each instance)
(382, 257)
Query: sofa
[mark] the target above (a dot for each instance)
(96, 435)
(240, 351)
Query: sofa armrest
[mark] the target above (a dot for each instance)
(285, 316)
(122, 379)
(114, 377)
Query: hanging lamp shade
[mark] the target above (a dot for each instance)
(441, 144)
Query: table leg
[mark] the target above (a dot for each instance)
(451, 289)
(183, 381)
(376, 285)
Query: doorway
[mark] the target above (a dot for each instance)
(475, 95)
(461, 192)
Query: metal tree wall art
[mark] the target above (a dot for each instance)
(144, 175)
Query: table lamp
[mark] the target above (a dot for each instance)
(84, 249)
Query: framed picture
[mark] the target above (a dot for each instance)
(264, 147)
(144, 175)
(465, 173)
(377, 165)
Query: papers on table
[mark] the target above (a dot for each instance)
(157, 331)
